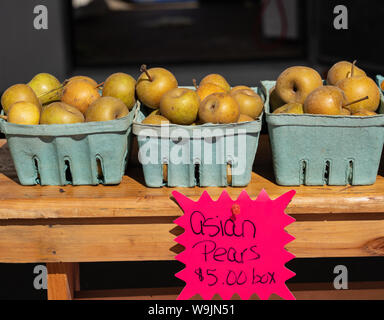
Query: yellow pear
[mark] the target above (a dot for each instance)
(237, 88)
(23, 112)
(180, 106)
(86, 78)
(219, 108)
(16, 93)
(217, 80)
(156, 120)
(46, 87)
(326, 100)
(364, 113)
(250, 103)
(293, 107)
(122, 86)
(60, 113)
(80, 94)
(208, 88)
(296, 83)
(245, 118)
(358, 87)
(153, 84)
(345, 112)
(105, 109)
(342, 70)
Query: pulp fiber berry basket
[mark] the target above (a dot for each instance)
(379, 80)
(202, 155)
(87, 153)
(317, 150)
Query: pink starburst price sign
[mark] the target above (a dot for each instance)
(235, 246)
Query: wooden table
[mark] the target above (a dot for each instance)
(62, 226)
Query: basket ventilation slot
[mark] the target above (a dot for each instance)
(327, 169)
(197, 174)
(303, 171)
(68, 173)
(100, 172)
(350, 172)
(36, 165)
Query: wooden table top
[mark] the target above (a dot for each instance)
(133, 199)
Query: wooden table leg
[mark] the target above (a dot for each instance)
(63, 280)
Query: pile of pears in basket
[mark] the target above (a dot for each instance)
(45, 100)
(298, 90)
(212, 101)
(348, 91)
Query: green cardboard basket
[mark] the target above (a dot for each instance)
(197, 155)
(63, 154)
(379, 80)
(317, 150)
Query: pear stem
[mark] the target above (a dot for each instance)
(359, 100)
(143, 68)
(50, 91)
(353, 68)
(62, 86)
(3, 117)
(194, 83)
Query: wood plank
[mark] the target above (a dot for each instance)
(132, 199)
(336, 238)
(86, 243)
(63, 280)
(148, 242)
(307, 291)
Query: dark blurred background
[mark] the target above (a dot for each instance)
(244, 40)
